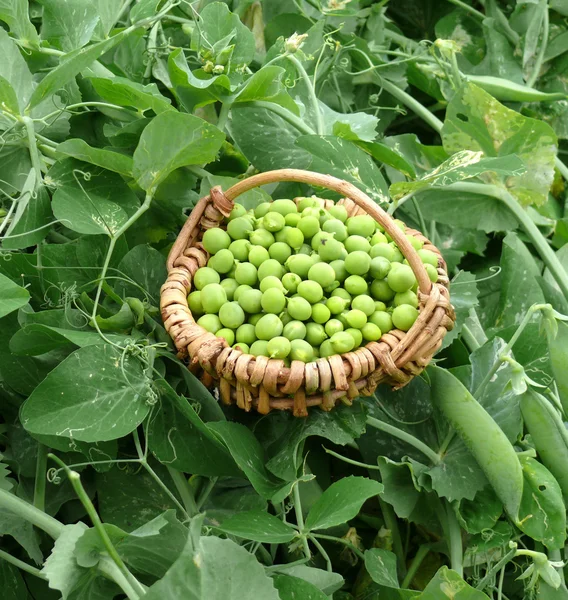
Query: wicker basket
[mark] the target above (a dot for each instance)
(263, 384)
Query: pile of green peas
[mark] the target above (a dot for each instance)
(298, 282)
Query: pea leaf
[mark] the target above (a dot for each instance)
(461, 165)
(517, 266)
(249, 456)
(170, 141)
(12, 296)
(476, 121)
(464, 297)
(75, 62)
(215, 569)
(22, 531)
(70, 24)
(16, 15)
(12, 582)
(90, 397)
(14, 70)
(107, 159)
(558, 348)
(381, 566)
(89, 199)
(122, 91)
(146, 267)
(180, 439)
(447, 584)
(290, 588)
(220, 28)
(195, 90)
(258, 526)
(326, 581)
(341, 501)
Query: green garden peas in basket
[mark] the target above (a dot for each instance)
(303, 302)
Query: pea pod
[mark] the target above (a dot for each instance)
(549, 436)
(508, 91)
(482, 436)
(558, 348)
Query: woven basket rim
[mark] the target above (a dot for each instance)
(213, 347)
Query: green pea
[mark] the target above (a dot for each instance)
(273, 301)
(380, 267)
(261, 237)
(382, 320)
(204, 276)
(244, 348)
(222, 261)
(240, 228)
(240, 290)
(337, 228)
(292, 219)
(307, 203)
(240, 249)
(331, 249)
(432, 272)
(357, 243)
(278, 347)
(408, 297)
(299, 264)
(338, 212)
(371, 332)
(356, 318)
(213, 296)
(194, 303)
(238, 211)
(338, 267)
(280, 251)
(356, 285)
(301, 350)
(230, 286)
(326, 349)
(315, 334)
(259, 348)
(336, 305)
(320, 313)
(299, 308)
(378, 238)
(273, 221)
(271, 282)
(356, 335)
(270, 267)
(250, 301)
(215, 240)
(268, 326)
(311, 291)
(364, 303)
(210, 323)
(333, 326)
(284, 207)
(357, 263)
(254, 319)
(404, 316)
(342, 342)
(245, 333)
(295, 330)
(384, 250)
(290, 281)
(400, 278)
(322, 273)
(246, 274)
(380, 290)
(309, 226)
(261, 209)
(227, 334)
(257, 255)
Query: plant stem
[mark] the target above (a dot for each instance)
(75, 480)
(392, 525)
(311, 91)
(343, 541)
(224, 115)
(40, 477)
(496, 567)
(455, 540)
(20, 564)
(34, 152)
(468, 8)
(415, 565)
(405, 437)
(186, 493)
(350, 461)
(562, 168)
(30, 513)
(322, 551)
(81, 104)
(469, 338)
(411, 103)
(206, 492)
(300, 519)
(282, 112)
(107, 567)
(538, 240)
(541, 51)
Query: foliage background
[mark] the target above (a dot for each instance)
(121, 475)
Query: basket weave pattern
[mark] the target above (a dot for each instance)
(264, 384)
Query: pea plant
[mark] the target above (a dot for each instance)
(121, 474)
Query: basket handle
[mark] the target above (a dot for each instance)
(345, 189)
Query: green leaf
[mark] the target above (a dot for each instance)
(181, 440)
(215, 569)
(448, 585)
(15, 14)
(482, 436)
(198, 89)
(470, 211)
(249, 456)
(292, 588)
(143, 9)
(14, 70)
(12, 583)
(326, 581)
(12, 296)
(129, 496)
(146, 268)
(390, 157)
(461, 165)
(266, 84)
(219, 28)
(481, 513)
(542, 515)
(98, 202)
(357, 126)
(8, 98)
(341, 502)
(37, 339)
(107, 159)
(122, 91)
(74, 63)
(517, 265)
(33, 214)
(22, 531)
(170, 141)
(381, 566)
(93, 395)
(476, 121)
(401, 491)
(341, 426)
(258, 526)
(68, 25)
(464, 297)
